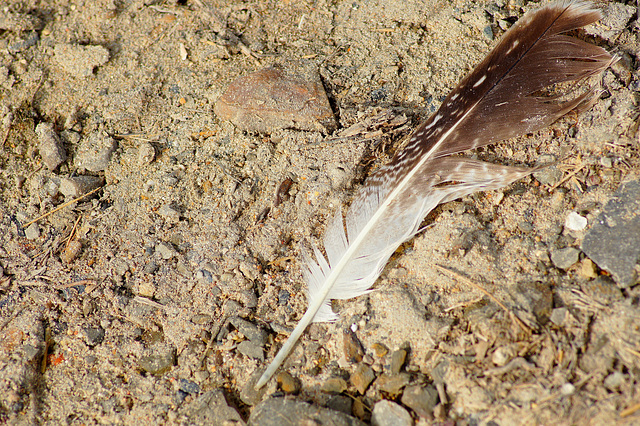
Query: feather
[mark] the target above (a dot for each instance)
(499, 99)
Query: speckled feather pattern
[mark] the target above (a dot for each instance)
(496, 101)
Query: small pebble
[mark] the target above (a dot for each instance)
(251, 331)
(359, 409)
(503, 355)
(575, 222)
(380, 350)
(559, 316)
(161, 359)
(353, 350)
(201, 319)
(567, 389)
(388, 413)
(251, 350)
(166, 250)
(614, 381)
(77, 186)
(341, 403)
(32, 232)
(550, 175)
(283, 297)
(565, 258)
(146, 288)
(362, 378)
(397, 360)
(288, 383)
(188, 386)
(169, 214)
(606, 162)
(71, 252)
(146, 154)
(94, 335)
(392, 384)
(334, 385)
(588, 269)
(51, 148)
(422, 400)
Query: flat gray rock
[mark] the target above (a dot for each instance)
(212, 408)
(283, 412)
(613, 242)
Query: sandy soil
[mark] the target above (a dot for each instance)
(126, 307)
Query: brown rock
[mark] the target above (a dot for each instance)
(353, 350)
(288, 383)
(392, 384)
(362, 377)
(380, 349)
(278, 97)
(334, 385)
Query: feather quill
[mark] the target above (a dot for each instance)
(498, 100)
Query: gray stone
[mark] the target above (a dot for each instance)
(288, 412)
(146, 153)
(341, 403)
(94, 152)
(397, 361)
(94, 335)
(251, 331)
(249, 394)
(421, 399)
(52, 187)
(169, 214)
(32, 232)
(565, 258)
(51, 148)
(74, 187)
(613, 240)
(251, 350)
(166, 250)
(187, 386)
(159, 360)
(212, 408)
(387, 413)
(549, 175)
(559, 316)
(614, 381)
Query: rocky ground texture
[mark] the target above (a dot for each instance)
(161, 294)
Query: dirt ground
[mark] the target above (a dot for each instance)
(161, 297)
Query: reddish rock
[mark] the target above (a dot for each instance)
(278, 97)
